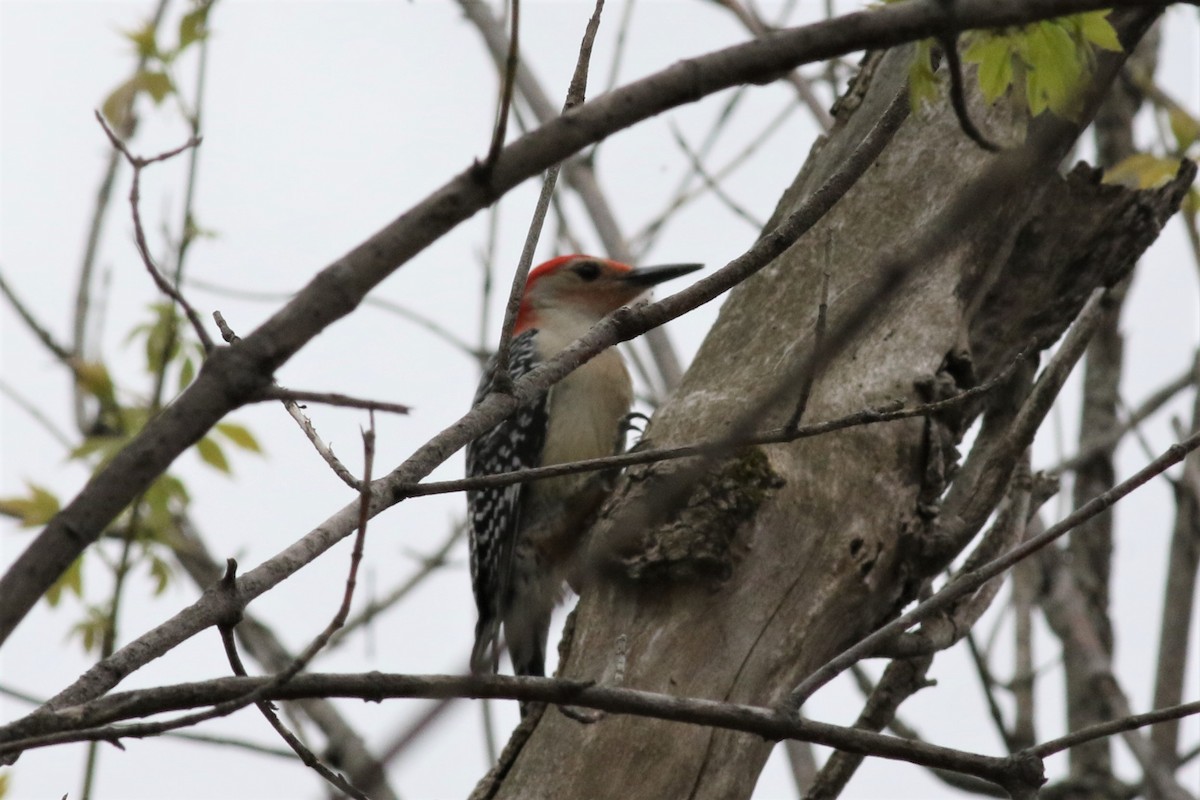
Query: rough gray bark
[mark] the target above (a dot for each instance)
(825, 541)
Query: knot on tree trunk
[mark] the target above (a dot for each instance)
(691, 534)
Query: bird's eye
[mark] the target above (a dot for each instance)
(588, 270)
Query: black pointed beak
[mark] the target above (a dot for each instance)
(652, 276)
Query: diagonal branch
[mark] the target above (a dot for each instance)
(971, 581)
(501, 379)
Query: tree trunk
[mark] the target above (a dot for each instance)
(784, 555)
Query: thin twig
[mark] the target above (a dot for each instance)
(257, 639)
(188, 230)
(958, 96)
(501, 380)
(783, 435)
(509, 80)
(307, 756)
(754, 24)
(37, 414)
(139, 163)
(645, 238)
(294, 410)
(1147, 408)
(407, 314)
(619, 46)
(333, 399)
(988, 684)
(487, 264)
(339, 619)
(429, 565)
(711, 182)
(40, 331)
(96, 225)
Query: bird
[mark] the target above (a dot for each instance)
(523, 537)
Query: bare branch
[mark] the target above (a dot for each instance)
(1148, 407)
(508, 81)
(267, 709)
(407, 314)
(1178, 605)
(38, 415)
(711, 182)
(753, 23)
(867, 416)
(83, 286)
(302, 419)
(40, 331)
(332, 399)
(87, 722)
(361, 766)
(501, 379)
(374, 608)
(1116, 726)
(971, 581)
(139, 163)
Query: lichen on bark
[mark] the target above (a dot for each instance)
(700, 540)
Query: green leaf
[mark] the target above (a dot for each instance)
(4, 783)
(1035, 96)
(117, 106)
(162, 338)
(239, 435)
(994, 55)
(163, 501)
(161, 572)
(156, 84)
(194, 25)
(1184, 127)
(105, 446)
(211, 454)
(922, 82)
(187, 371)
(92, 629)
(71, 579)
(1097, 30)
(143, 39)
(93, 378)
(36, 509)
(1191, 203)
(133, 419)
(1142, 171)
(1056, 67)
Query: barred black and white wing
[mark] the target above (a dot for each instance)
(495, 514)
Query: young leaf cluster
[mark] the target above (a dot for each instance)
(148, 525)
(1050, 60)
(1045, 62)
(1179, 138)
(154, 79)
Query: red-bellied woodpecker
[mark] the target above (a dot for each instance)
(523, 536)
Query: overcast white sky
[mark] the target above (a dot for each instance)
(323, 121)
